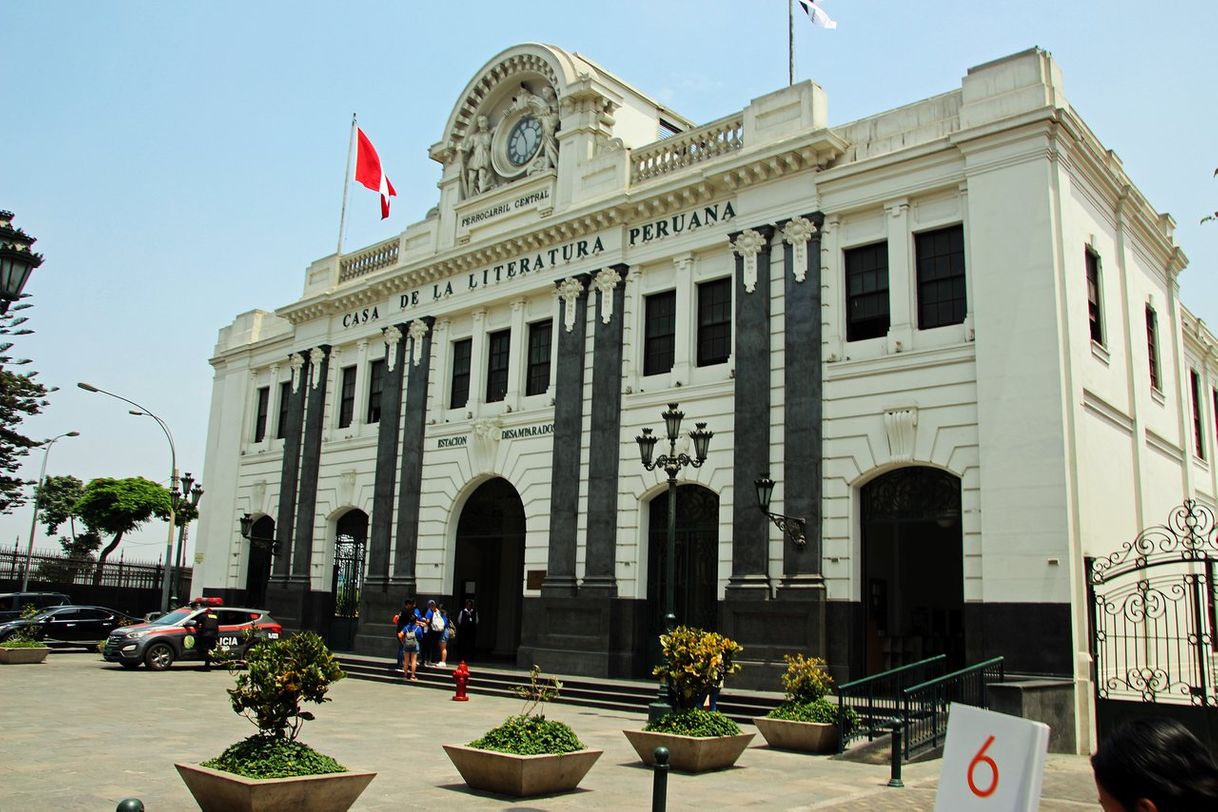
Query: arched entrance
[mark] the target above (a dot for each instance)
(913, 568)
(350, 547)
(258, 572)
(696, 557)
(489, 567)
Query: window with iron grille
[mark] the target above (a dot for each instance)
(1152, 347)
(537, 376)
(867, 291)
(714, 322)
(940, 271)
(498, 350)
(1095, 314)
(659, 332)
(285, 393)
(376, 385)
(1198, 439)
(346, 398)
(264, 404)
(462, 351)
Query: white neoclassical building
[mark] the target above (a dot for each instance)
(950, 333)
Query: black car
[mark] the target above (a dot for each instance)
(69, 625)
(175, 636)
(12, 604)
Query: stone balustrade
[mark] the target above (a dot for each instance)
(381, 255)
(685, 149)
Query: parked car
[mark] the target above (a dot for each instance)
(69, 625)
(13, 603)
(174, 636)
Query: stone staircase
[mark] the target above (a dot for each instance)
(626, 696)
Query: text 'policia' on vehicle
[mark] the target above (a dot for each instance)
(175, 636)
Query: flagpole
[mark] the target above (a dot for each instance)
(342, 217)
(790, 42)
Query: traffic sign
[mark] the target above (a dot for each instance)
(991, 762)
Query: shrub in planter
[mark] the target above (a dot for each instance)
(807, 720)
(694, 722)
(695, 663)
(21, 647)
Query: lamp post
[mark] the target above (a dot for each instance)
(671, 463)
(794, 527)
(17, 260)
(190, 494)
(140, 411)
(42, 475)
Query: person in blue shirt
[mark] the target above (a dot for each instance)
(409, 631)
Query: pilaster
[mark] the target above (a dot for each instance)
(416, 366)
(388, 432)
(315, 378)
(901, 297)
(289, 471)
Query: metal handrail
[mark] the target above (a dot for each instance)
(924, 707)
(877, 698)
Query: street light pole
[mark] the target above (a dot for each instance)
(173, 475)
(671, 463)
(42, 475)
(193, 492)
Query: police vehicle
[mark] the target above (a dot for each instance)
(175, 636)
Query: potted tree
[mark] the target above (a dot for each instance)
(528, 754)
(695, 664)
(271, 769)
(20, 648)
(806, 721)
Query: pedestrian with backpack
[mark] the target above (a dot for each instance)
(435, 636)
(409, 632)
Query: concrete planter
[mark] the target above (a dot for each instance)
(691, 754)
(521, 776)
(806, 737)
(218, 791)
(23, 656)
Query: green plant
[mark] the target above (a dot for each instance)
(12, 642)
(526, 735)
(269, 757)
(694, 722)
(695, 661)
(818, 710)
(806, 679)
(537, 693)
(281, 674)
(24, 636)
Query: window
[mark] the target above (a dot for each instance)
(1152, 347)
(497, 365)
(1195, 385)
(264, 404)
(659, 332)
(376, 385)
(537, 377)
(867, 292)
(460, 391)
(714, 322)
(940, 269)
(346, 398)
(285, 394)
(1095, 316)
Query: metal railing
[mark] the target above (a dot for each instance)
(924, 707)
(65, 571)
(877, 698)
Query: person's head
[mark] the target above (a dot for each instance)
(469, 604)
(483, 123)
(408, 603)
(1154, 765)
(431, 604)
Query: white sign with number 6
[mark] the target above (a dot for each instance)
(991, 761)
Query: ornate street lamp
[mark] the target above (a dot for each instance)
(247, 530)
(17, 261)
(671, 463)
(794, 527)
(29, 550)
(191, 493)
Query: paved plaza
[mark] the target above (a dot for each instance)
(81, 734)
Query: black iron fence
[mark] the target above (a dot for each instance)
(877, 698)
(924, 707)
(66, 571)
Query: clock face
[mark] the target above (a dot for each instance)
(523, 141)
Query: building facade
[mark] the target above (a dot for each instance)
(950, 332)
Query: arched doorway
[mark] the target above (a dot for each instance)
(350, 548)
(489, 567)
(258, 572)
(696, 557)
(913, 568)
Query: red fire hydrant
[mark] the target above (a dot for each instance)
(461, 675)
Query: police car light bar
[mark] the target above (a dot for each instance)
(208, 601)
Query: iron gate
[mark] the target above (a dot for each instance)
(1151, 607)
(348, 578)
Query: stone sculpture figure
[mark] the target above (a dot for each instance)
(549, 124)
(478, 177)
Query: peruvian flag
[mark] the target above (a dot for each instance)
(368, 171)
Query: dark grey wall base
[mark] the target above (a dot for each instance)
(845, 652)
(285, 602)
(377, 634)
(1035, 638)
(768, 630)
(1048, 701)
(594, 637)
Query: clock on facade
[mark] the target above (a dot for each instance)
(523, 141)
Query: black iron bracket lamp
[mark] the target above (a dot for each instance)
(794, 527)
(247, 532)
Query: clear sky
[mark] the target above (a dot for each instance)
(181, 163)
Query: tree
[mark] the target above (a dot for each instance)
(20, 397)
(115, 507)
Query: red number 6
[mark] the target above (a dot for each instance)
(981, 757)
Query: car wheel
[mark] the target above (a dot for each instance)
(130, 665)
(159, 656)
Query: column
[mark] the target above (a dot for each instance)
(387, 432)
(316, 373)
(333, 389)
(477, 365)
(604, 445)
(568, 427)
(802, 406)
(902, 294)
(687, 334)
(360, 411)
(751, 455)
(417, 363)
(518, 357)
(289, 472)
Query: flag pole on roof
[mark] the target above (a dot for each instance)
(342, 217)
(790, 42)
